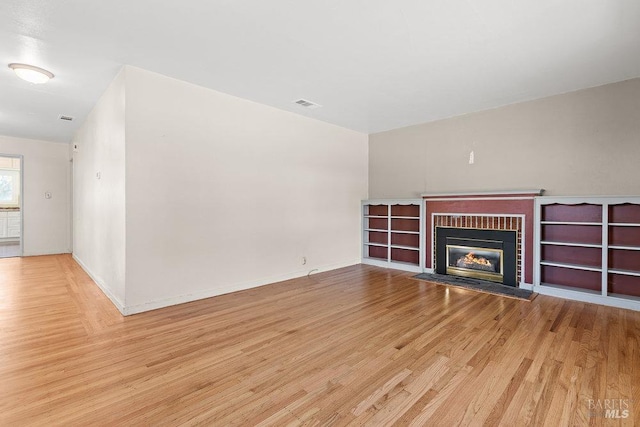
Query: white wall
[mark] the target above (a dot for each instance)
(99, 204)
(581, 143)
(46, 169)
(224, 194)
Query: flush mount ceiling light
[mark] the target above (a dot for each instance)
(32, 74)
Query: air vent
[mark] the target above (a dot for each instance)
(65, 118)
(307, 104)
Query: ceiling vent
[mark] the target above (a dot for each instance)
(65, 118)
(306, 104)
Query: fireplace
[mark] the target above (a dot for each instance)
(478, 253)
(475, 261)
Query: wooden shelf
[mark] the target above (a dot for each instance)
(625, 272)
(625, 248)
(626, 212)
(570, 288)
(409, 248)
(411, 210)
(569, 223)
(585, 212)
(380, 245)
(572, 266)
(399, 264)
(600, 236)
(579, 234)
(623, 236)
(577, 245)
(620, 283)
(394, 228)
(624, 297)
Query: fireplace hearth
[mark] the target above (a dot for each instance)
(478, 253)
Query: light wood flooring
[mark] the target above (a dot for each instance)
(355, 346)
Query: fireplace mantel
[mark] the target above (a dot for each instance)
(497, 194)
(510, 209)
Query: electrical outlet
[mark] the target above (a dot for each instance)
(472, 158)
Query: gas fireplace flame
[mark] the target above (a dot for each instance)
(471, 259)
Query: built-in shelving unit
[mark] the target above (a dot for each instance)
(393, 233)
(588, 248)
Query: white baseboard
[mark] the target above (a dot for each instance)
(393, 265)
(54, 252)
(127, 310)
(105, 290)
(195, 296)
(526, 286)
(630, 303)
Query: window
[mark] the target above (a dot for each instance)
(9, 188)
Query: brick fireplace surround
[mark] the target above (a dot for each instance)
(508, 210)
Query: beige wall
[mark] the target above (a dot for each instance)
(98, 203)
(580, 143)
(225, 194)
(46, 168)
(220, 193)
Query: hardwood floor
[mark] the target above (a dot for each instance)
(356, 346)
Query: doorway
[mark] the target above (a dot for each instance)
(10, 206)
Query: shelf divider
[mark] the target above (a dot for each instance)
(605, 250)
(569, 223)
(572, 266)
(625, 248)
(625, 272)
(577, 245)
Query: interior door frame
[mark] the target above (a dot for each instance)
(21, 202)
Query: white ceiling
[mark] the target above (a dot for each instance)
(373, 65)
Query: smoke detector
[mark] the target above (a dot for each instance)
(307, 104)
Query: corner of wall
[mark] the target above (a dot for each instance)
(98, 193)
(103, 287)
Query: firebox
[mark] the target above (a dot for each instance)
(475, 261)
(478, 253)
